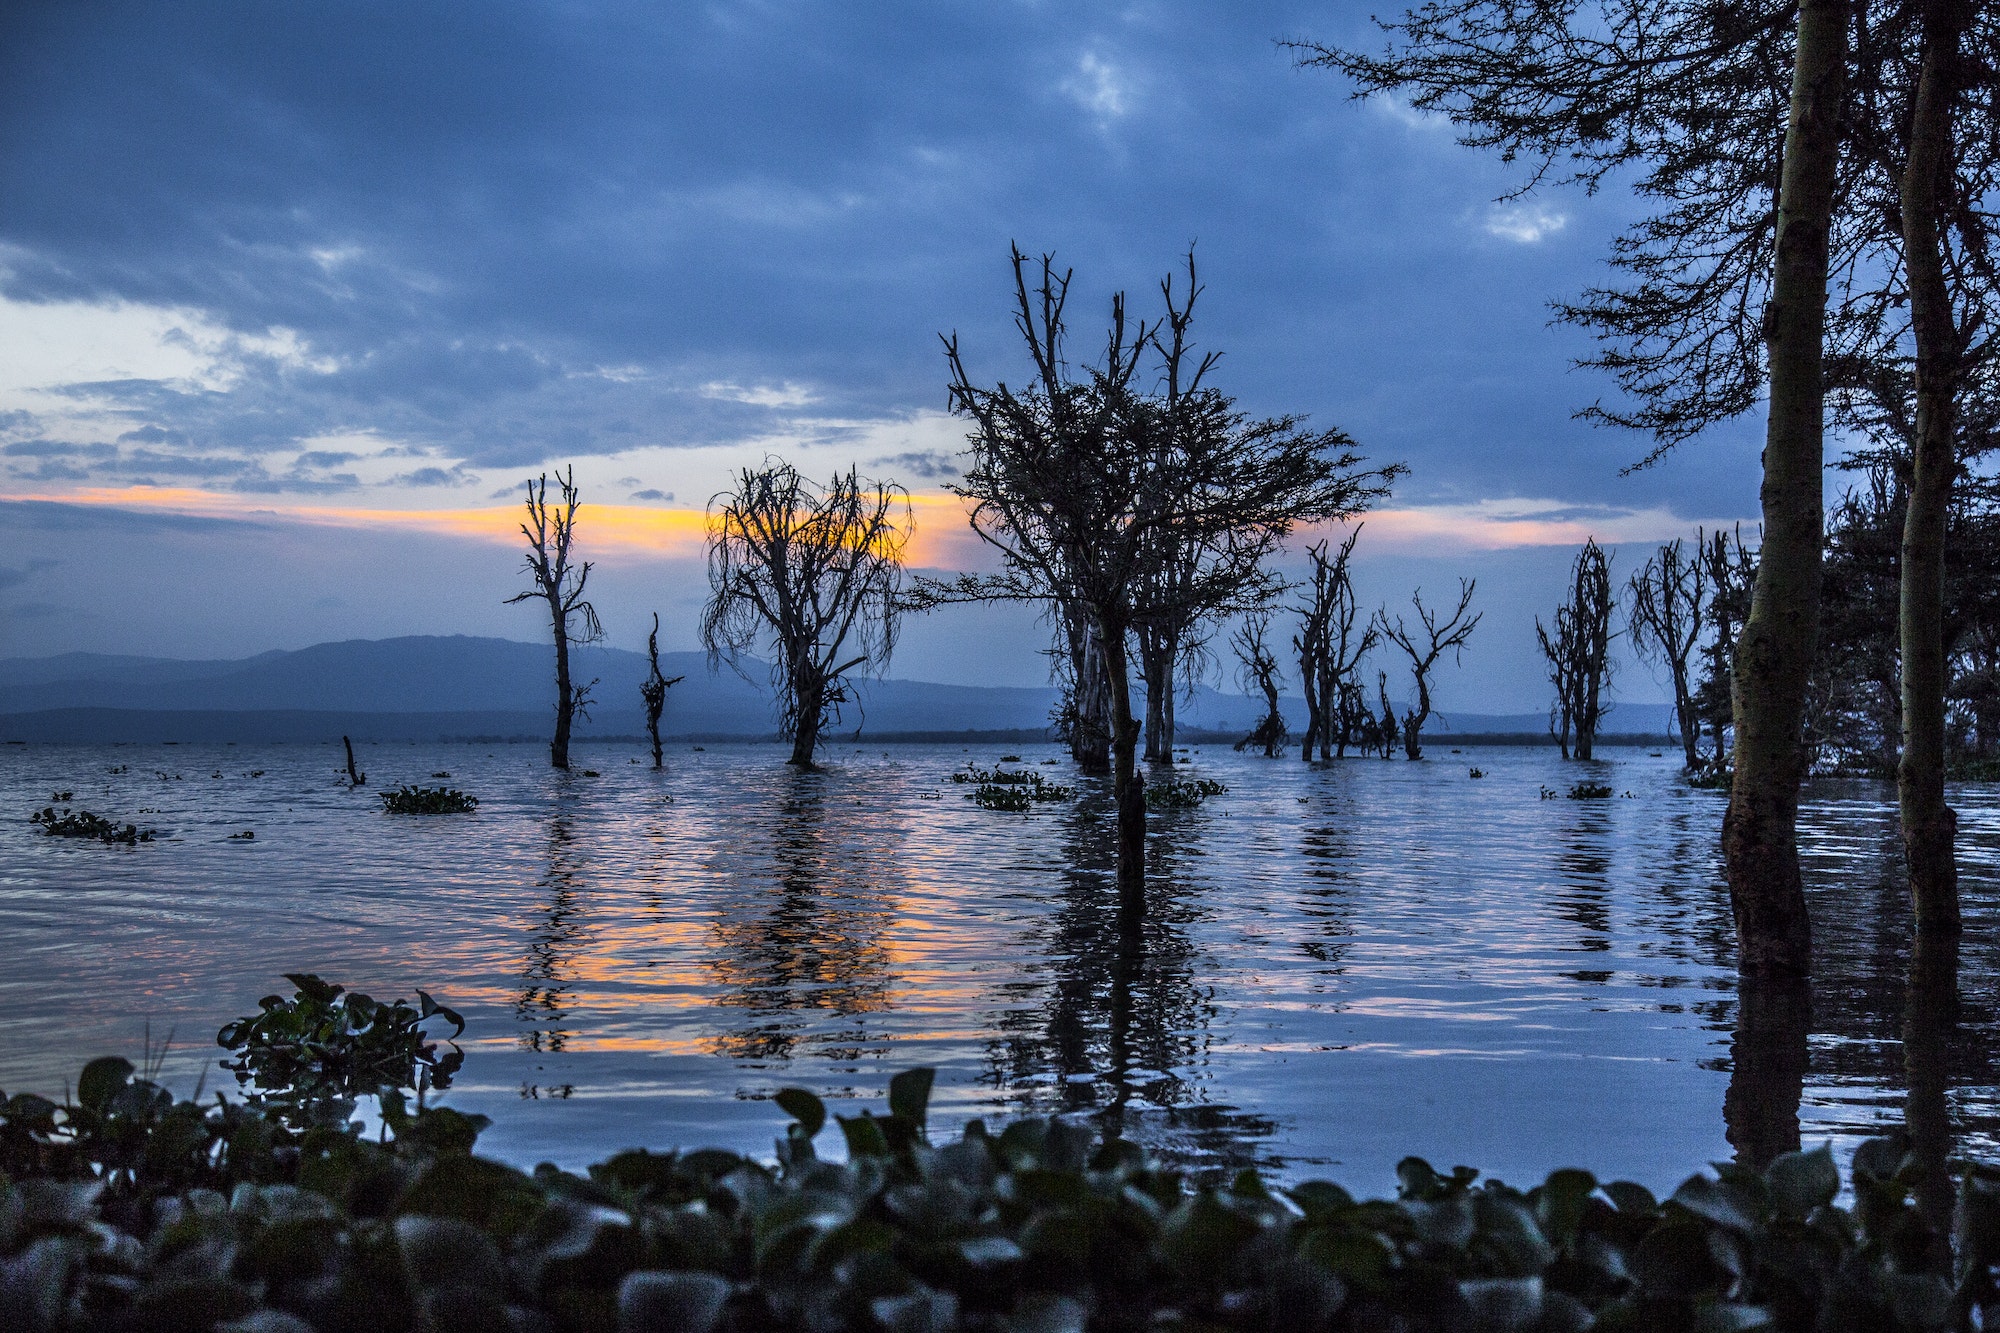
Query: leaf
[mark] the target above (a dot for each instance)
(1318, 1198)
(101, 1080)
(1803, 1181)
(1716, 1202)
(1630, 1198)
(679, 1302)
(803, 1107)
(910, 1094)
(864, 1135)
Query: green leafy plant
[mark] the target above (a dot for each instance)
(307, 1059)
(1588, 791)
(407, 800)
(128, 1209)
(1173, 795)
(83, 824)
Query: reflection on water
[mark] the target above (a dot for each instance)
(1339, 965)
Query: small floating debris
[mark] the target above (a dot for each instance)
(1477, 772)
(62, 796)
(592, 773)
(247, 835)
(446, 775)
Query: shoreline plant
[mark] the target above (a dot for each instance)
(84, 824)
(408, 800)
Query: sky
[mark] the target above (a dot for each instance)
(293, 297)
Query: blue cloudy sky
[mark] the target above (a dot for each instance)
(292, 297)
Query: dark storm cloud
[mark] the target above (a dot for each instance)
(507, 232)
(56, 518)
(929, 464)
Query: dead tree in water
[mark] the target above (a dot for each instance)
(1330, 651)
(817, 570)
(1424, 646)
(1669, 606)
(1075, 478)
(1083, 711)
(1579, 652)
(654, 689)
(1260, 668)
(550, 530)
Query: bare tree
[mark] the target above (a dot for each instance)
(551, 530)
(815, 571)
(1075, 478)
(1431, 640)
(1330, 651)
(1387, 727)
(1260, 671)
(1732, 574)
(1667, 611)
(1578, 652)
(1083, 714)
(653, 690)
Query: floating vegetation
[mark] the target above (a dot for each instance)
(1010, 758)
(84, 824)
(1478, 772)
(592, 773)
(247, 835)
(441, 775)
(62, 795)
(408, 800)
(1016, 789)
(1712, 779)
(116, 769)
(1588, 791)
(1172, 795)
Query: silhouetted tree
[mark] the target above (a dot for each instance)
(551, 530)
(1578, 652)
(817, 572)
(1731, 117)
(1260, 672)
(1075, 478)
(1330, 651)
(653, 690)
(1431, 640)
(1083, 712)
(1665, 615)
(1387, 728)
(1732, 575)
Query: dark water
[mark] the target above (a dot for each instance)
(1343, 965)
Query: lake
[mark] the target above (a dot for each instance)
(1343, 965)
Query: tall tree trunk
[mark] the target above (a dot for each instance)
(1685, 716)
(565, 692)
(1156, 669)
(1317, 708)
(811, 696)
(1128, 788)
(1090, 741)
(1930, 1016)
(1774, 656)
(1929, 825)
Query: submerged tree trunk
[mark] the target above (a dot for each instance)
(1774, 656)
(1929, 825)
(1128, 787)
(565, 692)
(810, 692)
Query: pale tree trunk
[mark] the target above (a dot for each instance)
(1774, 656)
(1929, 825)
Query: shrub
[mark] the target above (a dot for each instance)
(1009, 789)
(1171, 795)
(84, 824)
(1588, 791)
(408, 800)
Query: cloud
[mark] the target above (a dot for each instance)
(1099, 88)
(930, 464)
(656, 495)
(435, 476)
(324, 458)
(1525, 224)
(760, 395)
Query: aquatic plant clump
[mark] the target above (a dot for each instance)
(128, 1209)
(1171, 795)
(408, 800)
(84, 824)
(1015, 790)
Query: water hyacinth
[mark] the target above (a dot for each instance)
(407, 800)
(129, 1209)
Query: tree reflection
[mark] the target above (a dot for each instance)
(1767, 1072)
(1583, 879)
(811, 936)
(1930, 1017)
(557, 934)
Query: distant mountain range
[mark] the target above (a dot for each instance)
(427, 687)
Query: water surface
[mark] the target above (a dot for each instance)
(1342, 965)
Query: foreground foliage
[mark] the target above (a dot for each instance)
(84, 824)
(407, 800)
(129, 1209)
